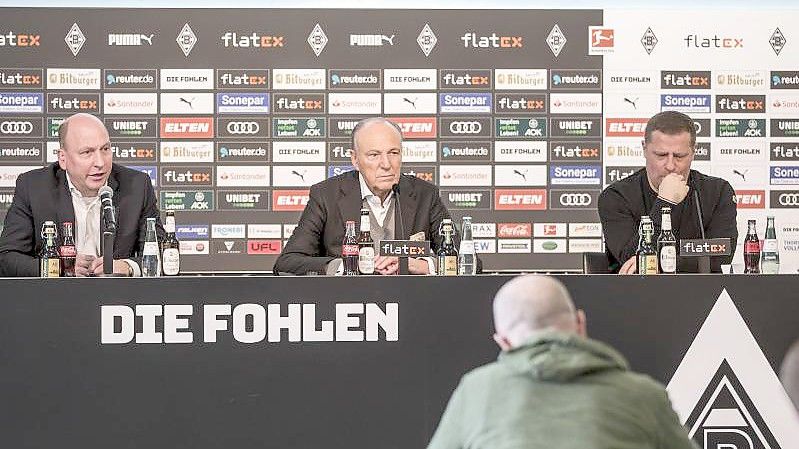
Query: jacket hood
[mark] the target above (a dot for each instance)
(560, 357)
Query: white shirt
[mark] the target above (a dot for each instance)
(87, 225)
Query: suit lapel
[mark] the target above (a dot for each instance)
(350, 203)
(113, 182)
(408, 202)
(64, 208)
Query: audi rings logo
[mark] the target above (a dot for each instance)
(465, 127)
(575, 199)
(788, 199)
(16, 127)
(243, 127)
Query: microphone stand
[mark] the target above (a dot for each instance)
(704, 261)
(109, 235)
(403, 261)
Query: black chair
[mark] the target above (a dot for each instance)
(596, 263)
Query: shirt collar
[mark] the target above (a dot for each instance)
(366, 192)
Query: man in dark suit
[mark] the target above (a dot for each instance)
(315, 245)
(68, 192)
(667, 179)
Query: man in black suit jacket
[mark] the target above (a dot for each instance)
(315, 245)
(51, 193)
(666, 181)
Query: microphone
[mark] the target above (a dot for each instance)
(109, 220)
(398, 211)
(403, 261)
(704, 261)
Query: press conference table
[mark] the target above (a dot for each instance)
(365, 362)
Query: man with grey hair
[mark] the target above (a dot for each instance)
(552, 386)
(377, 184)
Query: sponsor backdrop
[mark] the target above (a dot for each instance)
(234, 114)
(189, 363)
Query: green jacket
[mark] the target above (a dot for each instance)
(559, 391)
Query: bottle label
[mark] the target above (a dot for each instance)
(450, 266)
(752, 247)
(349, 250)
(668, 259)
(50, 268)
(67, 251)
(647, 264)
(770, 246)
(366, 259)
(150, 249)
(171, 260)
(466, 247)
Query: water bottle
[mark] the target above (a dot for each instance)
(770, 253)
(151, 258)
(466, 257)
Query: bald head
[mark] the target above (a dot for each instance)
(789, 373)
(79, 120)
(530, 304)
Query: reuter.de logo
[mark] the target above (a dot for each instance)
(474, 40)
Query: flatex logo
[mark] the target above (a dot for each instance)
(695, 41)
(242, 79)
(784, 199)
(740, 103)
(575, 151)
(186, 176)
(613, 174)
(339, 151)
(21, 78)
(19, 40)
(521, 103)
(465, 79)
(576, 79)
(134, 151)
(685, 80)
(729, 396)
(573, 199)
(253, 40)
(424, 172)
(784, 80)
(784, 151)
(71, 103)
(473, 40)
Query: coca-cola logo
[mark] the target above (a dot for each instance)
(514, 230)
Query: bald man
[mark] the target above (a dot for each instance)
(789, 373)
(552, 387)
(67, 191)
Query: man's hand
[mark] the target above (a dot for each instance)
(418, 266)
(120, 267)
(629, 267)
(386, 265)
(83, 264)
(673, 188)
